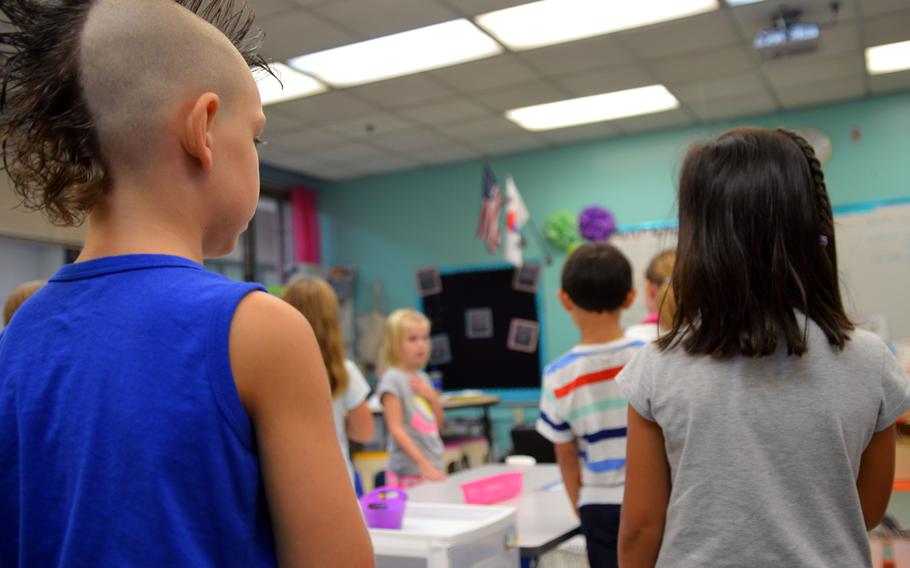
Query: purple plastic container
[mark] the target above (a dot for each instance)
(383, 507)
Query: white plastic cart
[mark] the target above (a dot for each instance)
(435, 535)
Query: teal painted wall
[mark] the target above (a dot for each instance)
(386, 226)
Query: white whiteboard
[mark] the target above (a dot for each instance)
(640, 247)
(873, 248)
(873, 251)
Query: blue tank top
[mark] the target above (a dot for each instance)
(123, 438)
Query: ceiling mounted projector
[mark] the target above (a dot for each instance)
(788, 36)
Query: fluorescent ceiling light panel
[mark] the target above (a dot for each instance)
(596, 108)
(293, 85)
(549, 22)
(888, 58)
(413, 51)
(742, 2)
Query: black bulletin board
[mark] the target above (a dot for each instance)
(483, 363)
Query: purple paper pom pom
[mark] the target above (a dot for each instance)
(596, 224)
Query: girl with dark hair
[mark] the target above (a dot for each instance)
(761, 425)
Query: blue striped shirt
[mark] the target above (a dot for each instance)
(581, 404)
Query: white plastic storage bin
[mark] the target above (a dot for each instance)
(436, 535)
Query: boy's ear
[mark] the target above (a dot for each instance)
(565, 300)
(630, 297)
(197, 129)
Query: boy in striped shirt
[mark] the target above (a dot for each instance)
(581, 408)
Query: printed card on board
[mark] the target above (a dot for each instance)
(478, 323)
(523, 335)
(440, 349)
(526, 277)
(428, 281)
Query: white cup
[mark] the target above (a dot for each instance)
(521, 461)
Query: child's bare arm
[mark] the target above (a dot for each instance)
(394, 419)
(282, 382)
(567, 457)
(876, 476)
(647, 492)
(359, 423)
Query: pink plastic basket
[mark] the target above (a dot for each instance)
(383, 508)
(492, 489)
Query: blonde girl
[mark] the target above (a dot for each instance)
(316, 300)
(412, 408)
(658, 298)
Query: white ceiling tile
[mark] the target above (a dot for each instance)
(295, 33)
(493, 127)
(266, 8)
(402, 91)
(878, 7)
(278, 122)
(387, 163)
(334, 172)
(327, 107)
(477, 7)
(821, 92)
(744, 84)
(667, 119)
(406, 142)
(445, 154)
(444, 112)
(837, 40)
(579, 133)
(270, 152)
(888, 28)
(388, 166)
(608, 80)
(373, 18)
(486, 74)
(743, 105)
(696, 33)
(577, 56)
(304, 139)
(789, 72)
(523, 95)
(347, 152)
(286, 160)
(889, 82)
(511, 143)
(370, 126)
(308, 3)
(285, 164)
(711, 63)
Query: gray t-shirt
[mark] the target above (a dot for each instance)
(764, 453)
(419, 422)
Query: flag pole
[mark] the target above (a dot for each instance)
(541, 242)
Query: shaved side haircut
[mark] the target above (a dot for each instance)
(87, 84)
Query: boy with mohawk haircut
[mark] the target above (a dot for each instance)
(153, 413)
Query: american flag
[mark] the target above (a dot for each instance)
(488, 226)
